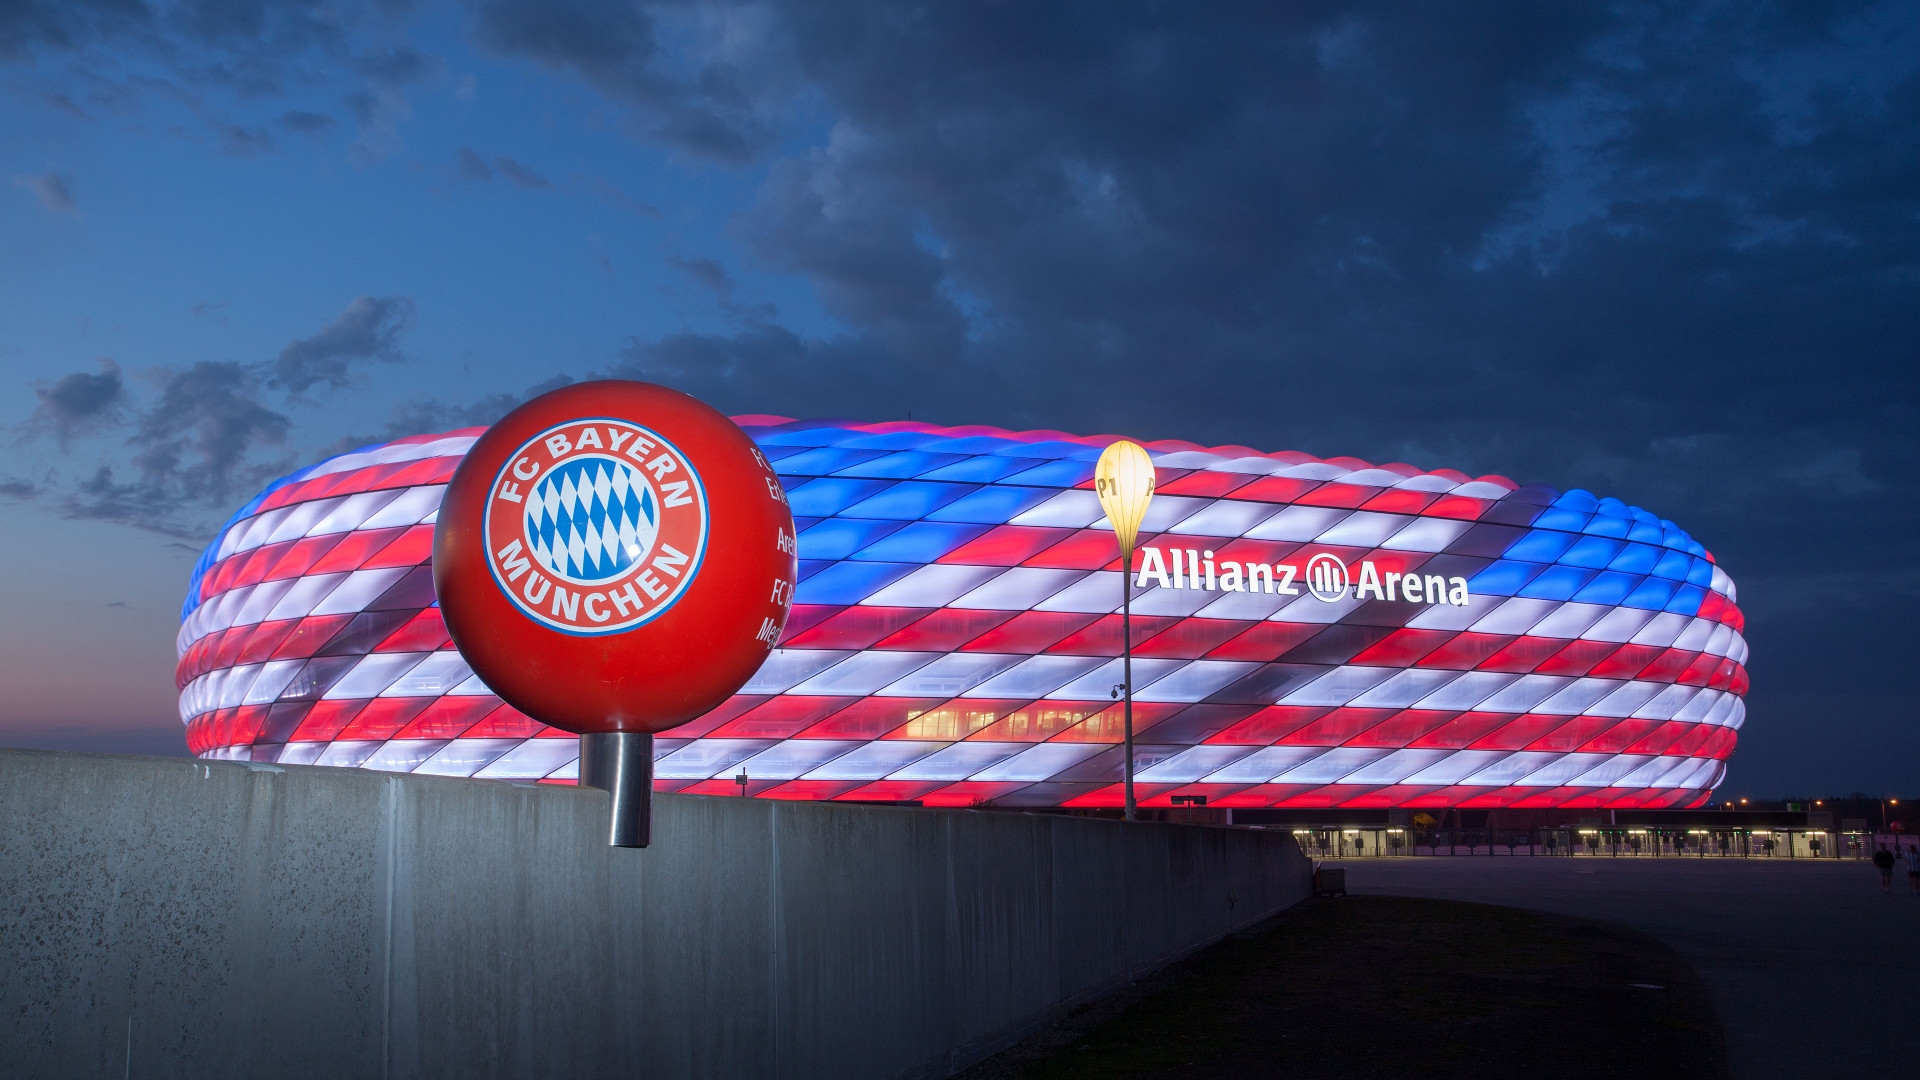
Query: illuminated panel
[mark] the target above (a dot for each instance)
(955, 628)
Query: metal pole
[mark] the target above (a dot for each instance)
(621, 764)
(1126, 666)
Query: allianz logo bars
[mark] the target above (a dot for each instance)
(1326, 578)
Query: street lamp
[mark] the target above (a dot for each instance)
(1123, 479)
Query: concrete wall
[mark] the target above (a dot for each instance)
(169, 917)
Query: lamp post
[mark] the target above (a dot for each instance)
(1124, 480)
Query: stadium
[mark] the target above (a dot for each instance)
(1307, 634)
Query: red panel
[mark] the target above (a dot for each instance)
(1266, 641)
(779, 718)
(1402, 647)
(892, 790)
(433, 470)
(856, 627)
(1336, 727)
(1688, 745)
(1711, 606)
(1616, 739)
(254, 566)
(1572, 734)
(1629, 660)
(971, 792)
(1330, 795)
(1657, 740)
(1498, 797)
(449, 717)
(1517, 733)
(1336, 494)
(1102, 636)
(264, 639)
(1086, 549)
(1206, 483)
(1270, 725)
(413, 547)
(1255, 551)
(231, 642)
(815, 790)
(724, 785)
(1722, 676)
(1401, 728)
(1458, 507)
(869, 718)
(1010, 545)
(1461, 730)
(725, 711)
(313, 632)
(505, 722)
(1399, 501)
(326, 720)
(1464, 651)
(1388, 796)
(1700, 671)
(1029, 632)
(1739, 684)
(300, 558)
(1522, 654)
(248, 719)
(804, 617)
(1577, 658)
(945, 630)
(354, 549)
(424, 632)
(1039, 721)
(1213, 792)
(1276, 489)
(1718, 745)
(383, 717)
(1191, 638)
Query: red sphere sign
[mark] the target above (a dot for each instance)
(614, 557)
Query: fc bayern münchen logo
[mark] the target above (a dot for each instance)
(595, 526)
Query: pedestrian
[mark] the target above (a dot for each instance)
(1884, 860)
(1913, 867)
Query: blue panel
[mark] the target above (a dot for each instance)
(1561, 518)
(909, 500)
(984, 469)
(1503, 578)
(823, 461)
(992, 505)
(822, 435)
(1057, 449)
(1651, 594)
(837, 538)
(1556, 583)
(921, 542)
(1578, 499)
(1541, 547)
(830, 495)
(901, 466)
(850, 582)
(1636, 559)
(1646, 532)
(1673, 565)
(976, 444)
(891, 440)
(1607, 588)
(810, 567)
(1602, 525)
(1592, 552)
(1612, 507)
(1701, 573)
(1058, 474)
(778, 453)
(1687, 600)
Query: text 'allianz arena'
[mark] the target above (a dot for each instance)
(1307, 633)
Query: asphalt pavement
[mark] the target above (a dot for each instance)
(1812, 969)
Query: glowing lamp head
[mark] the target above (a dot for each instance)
(1124, 481)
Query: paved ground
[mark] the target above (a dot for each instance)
(1812, 969)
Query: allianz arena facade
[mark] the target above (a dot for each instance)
(1307, 633)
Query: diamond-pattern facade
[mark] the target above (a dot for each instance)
(956, 622)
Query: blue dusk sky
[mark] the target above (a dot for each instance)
(1665, 252)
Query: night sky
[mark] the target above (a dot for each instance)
(1668, 253)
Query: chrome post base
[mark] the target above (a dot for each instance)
(621, 763)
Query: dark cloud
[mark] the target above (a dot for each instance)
(302, 122)
(76, 402)
(15, 488)
(54, 190)
(712, 276)
(520, 175)
(369, 329)
(472, 166)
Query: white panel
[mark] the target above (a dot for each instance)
(472, 687)
(702, 758)
(1179, 602)
(1068, 510)
(1650, 772)
(1721, 583)
(1720, 642)
(1515, 766)
(403, 755)
(1339, 686)
(863, 673)
(260, 601)
(254, 532)
(273, 678)
(1262, 765)
(1625, 699)
(934, 585)
(361, 588)
(1738, 654)
(1697, 709)
(1097, 593)
(1562, 771)
(1482, 489)
(784, 667)
(353, 510)
(1427, 534)
(1397, 766)
(1578, 697)
(1188, 459)
(1722, 710)
(301, 753)
(1458, 765)
(1662, 630)
(1569, 620)
(298, 601)
(438, 674)
(1164, 512)
(1193, 682)
(1668, 702)
(233, 687)
(411, 508)
(1608, 771)
(1330, 766)
(464, 757)
(1226, 517)
(1041, 762)
(1737, 717)
(1252, 606)
(374, 673)
(1524, 693)
(531, 760)
(1312, 470)
(1191, 764)
(569, 771)
(1363, 529)
(871, 761)
(1516, 616)
(951, 675)
(1449, 617)
(1019, 589)
(1301, 523)
(1312, 609)
(1466, 691)
(1428, 482)
(789, 759)
(1405, 688)
(1619, 624)
(346, 755)
(1695, 637)
(960, 761)
(1096, 683)
(301, 517)
(1037, 677)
